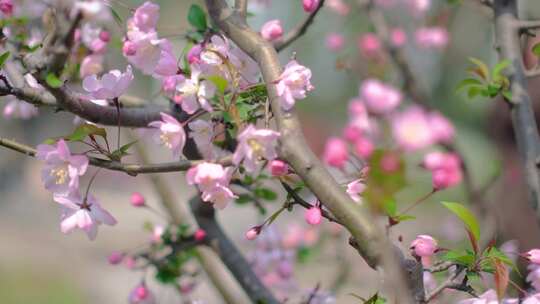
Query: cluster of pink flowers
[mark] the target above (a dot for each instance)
(213, 181)
(294, 83)
(445, 169)
(378, 97)
(111, 85)
(255, 146)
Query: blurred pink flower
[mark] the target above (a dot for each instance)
(336, 153)
(363, 147)
(141, 295)
(310, 5)
(369, 44)
(252, 233)
(443, 130)
(199, 235)
(338, 6)
(172, 134)
(272, 30)
(445, 168)
(533, 256)
(313, 215)
(254, 145)
(137, 199)
(91, 65)
(432, 37)
(398, 37)
(111, 85)
(411, 129)
(293, 84)
(15, 108)
(115, 258)
(335, 41)
(82, 213)
(379, 97)
(419, 7)
(6, 7)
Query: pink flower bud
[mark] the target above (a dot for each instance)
(137, 199)
(369, 44)
(424, 246)
(533, 256)
(129, 48)
(252, 233)
(313, 216)
(278, 168)
(141, 292)
(398, 37)
(335, 42)
(442, 129)
(310, 5)
(105, 36)
(130, 262)
(194, 54)
(199, 235)
(116, 258)
(6, 7)
(364, 147)
(335, 152)
(272, 30)
(440, 179)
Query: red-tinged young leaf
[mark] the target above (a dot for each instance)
(481, 68)
(473, 240)
(502, 278)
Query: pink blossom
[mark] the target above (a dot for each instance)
(62, 169)
(335, 42)
(157, 234)
(15, 108)
(313, 215)
(379, 97)
(146, 17)
(278, 167)
(369, 44)
(419, 7)
(336, 153)
(533, 278)
(199, 235)
(442, 129)
(432, 37)
(196, 92)
(355, 188)
(137, 199)
(167, 64)
(129, 48)
(252, 233)
(398, 37)
(144, 50)
(245, 65)
(214, 51)
(445, 168)
(424, 246)
(141, 295)
(202, 132)
(169, 83)
(338, 6)
(194, 54)
(253, 146)
(82, 213)
(293, 84)
(115, 258)
(6, 7)
(91, 65)
(272, 30)
(310, 5)
(172, 133)
(411, 129)
(110, 86)
(532, 299)
(358, 115)
(213, 181)
(363, 147)
(533, 256)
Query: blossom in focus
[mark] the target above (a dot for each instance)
(379, 97)
(194, 54)
(82, 213)
(111, 85)
(213, 181)
(431, 37)
(167, 63)
(424, 246)
(355, 188)
(313, 215)
(336, 153)
(369, 44)
(141, 295)
(310, 5)
(215, 51)
(254, 145)
(272, 30)
(62, 169)
(172, 134)
(335, 41)
(144, 50)
(412, 129)
(445, 169)
(293, 84)
(196, 92)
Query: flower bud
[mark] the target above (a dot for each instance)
(115, 258)
(335, 152)
(199, 235)
(533, 256)
(6, 7)
(424, 246)
(272, 30)
(252, 233)
(278, 168)
(310, 5)
(129, 48)
(313, 216)
(137, 199)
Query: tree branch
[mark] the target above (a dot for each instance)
(131, 169)
(373, 244)
(298, 30)
(521, 111)
(241, 7)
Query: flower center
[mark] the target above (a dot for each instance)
(256, 146)
(166, 139)
(60, 174)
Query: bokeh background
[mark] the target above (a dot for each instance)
(40, 265)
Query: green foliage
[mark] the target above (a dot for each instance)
(53, 81)
(116, 16)
(486, 83)
(383, 183)
(465, 258)
(3, 58)
(265, 193)
(85, 130)
(197, 18)
(470, 221)
(536, 49)
(121, 152)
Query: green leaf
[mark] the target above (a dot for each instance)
(265, 193)
(3, 58)
(481, 68)
(507, 94)
(536, 49)
(474, 91)
(499, 67)
(121, 152)
(390, 206)
(467, 217)
(116, 16)
(468, 82)
(53, 81)
(404, 217)
(463, 258)
(219, 82)
(197, 18)
(84, 130)
(244, 198)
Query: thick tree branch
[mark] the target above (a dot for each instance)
(241, 7)
(507, 28)
(131, 169)
(372, 243)
(298, 30)
(205, 216)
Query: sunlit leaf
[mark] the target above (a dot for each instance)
(3, 58)
(53, 81)
(468, 218)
